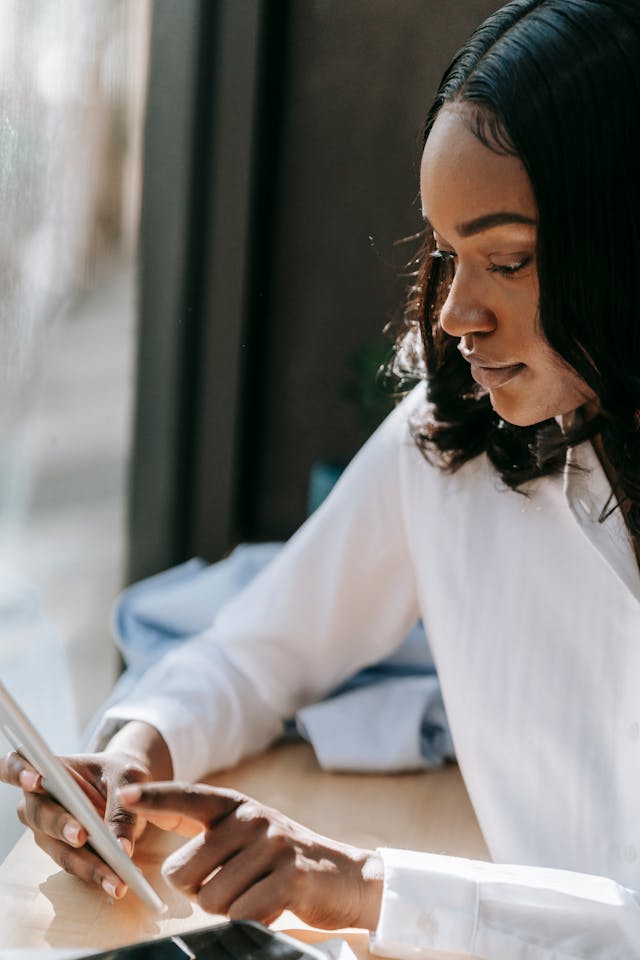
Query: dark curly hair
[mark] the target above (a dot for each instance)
(557, 83)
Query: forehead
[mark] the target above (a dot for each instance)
(461, 178)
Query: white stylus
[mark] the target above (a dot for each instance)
(57, 781)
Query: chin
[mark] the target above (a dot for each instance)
(519, 415)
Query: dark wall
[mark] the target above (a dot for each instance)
(359, 78)
(280, 168)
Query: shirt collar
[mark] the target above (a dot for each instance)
(588, 492)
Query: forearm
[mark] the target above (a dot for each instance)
(144, 743)
(497, 911)
(372, 883)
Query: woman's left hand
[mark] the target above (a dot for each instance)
(250, 862)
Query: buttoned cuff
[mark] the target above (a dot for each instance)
(429, 902)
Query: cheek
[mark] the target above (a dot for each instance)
(556, 388)
(561, 378)
(518, 313)
(548, 388)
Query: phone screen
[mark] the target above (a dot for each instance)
(237, 940)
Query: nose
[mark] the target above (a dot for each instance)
(465, 311)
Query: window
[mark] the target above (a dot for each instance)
(72, 93)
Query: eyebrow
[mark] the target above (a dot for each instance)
(489, 220)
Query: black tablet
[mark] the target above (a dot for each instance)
(236, 940)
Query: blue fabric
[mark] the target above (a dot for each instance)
(389, 716)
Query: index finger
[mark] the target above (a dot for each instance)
(18, 772)
(193, 802)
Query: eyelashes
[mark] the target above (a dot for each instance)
(505, 270)
(509, 269)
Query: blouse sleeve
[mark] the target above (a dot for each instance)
(339, 596)
(497, 912)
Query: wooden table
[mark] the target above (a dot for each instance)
(41, 906)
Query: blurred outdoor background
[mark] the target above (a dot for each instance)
(201, 207)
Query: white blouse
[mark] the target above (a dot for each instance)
(531, 609)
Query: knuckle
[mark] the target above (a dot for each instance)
(21, 813)
(15, 765)
(300, 865)
(260, 825)
(65, 859)
(134, 773)
(264, 909)
(34, 811)
(236, 797)
(290, 876)
(190, 890)
(171, 871)
(43, 816)
(176, 872)
(122, 817)
(233, 796)
(188, 788)
(243, 911)
(209, 838)
(253, 813)
(277, 837)
(208, 898)
(203, 900)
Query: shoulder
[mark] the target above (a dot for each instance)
(421, 463)
(413, 413)
(411, 424)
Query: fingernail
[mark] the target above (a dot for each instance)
(130, 794)
(112, 889)
(126, 845)
(71, 832)
(28, 779)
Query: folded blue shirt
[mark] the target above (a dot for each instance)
(387, 717)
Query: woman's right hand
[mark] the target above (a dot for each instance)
(136, 754)
(58, 833)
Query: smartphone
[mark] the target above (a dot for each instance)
(236, 940)
(57, 781)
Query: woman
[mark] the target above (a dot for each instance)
(504, 509)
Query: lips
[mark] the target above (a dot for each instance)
(493, 377)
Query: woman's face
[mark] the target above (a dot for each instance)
(481, 208)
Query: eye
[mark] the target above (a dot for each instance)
(509, 269)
